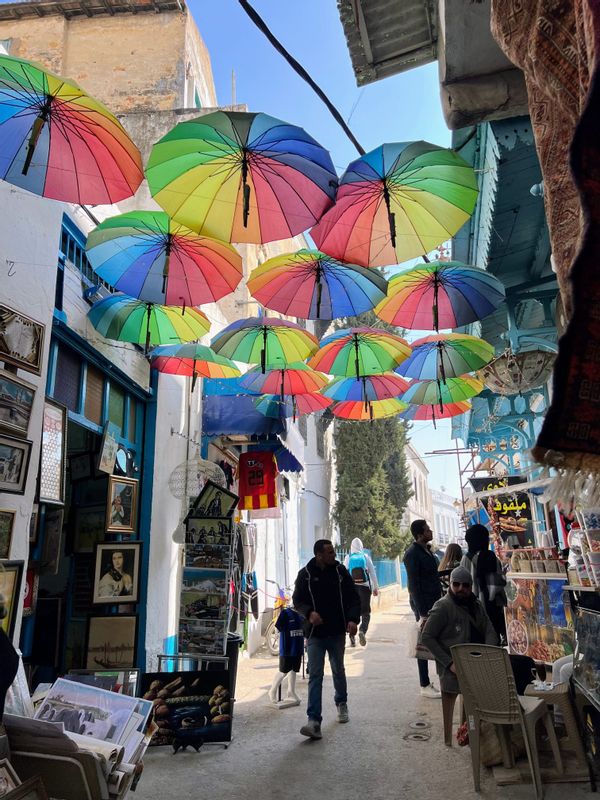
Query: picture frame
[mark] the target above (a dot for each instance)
(121, 505)
(80, 466)
(21, 340)
(14, 464)
(53, 453)
(16, 403)
(11, 578)
(89, 528)
(34, 524)
(7, 525)
(52, 544)
(124, 681)
(32, 789)
(111, 641)
(117, 573)
(8, 777)
(204, 594)
(214, 501)
(208, 531)
(32, 580)
(108, 448)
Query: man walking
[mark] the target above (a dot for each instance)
(424, 589)
(324, 595)
(359, 565)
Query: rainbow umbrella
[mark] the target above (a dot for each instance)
(271, 405)
(431, 414)
(446, 355)
(454, 390)
(397, 202)
(242, 177)
(147, 255)
(360, 351)
(192, 360)
(361, 411)
(125, 319)
(366, 388)
(268, 341)
(294, 379)
(56, 141)
(440, 294)
(311, 285)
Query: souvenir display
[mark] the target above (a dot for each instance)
(121, 508)
(117, 573)
(21, 340)
(14, 462)
(16, 403)
(53, 453)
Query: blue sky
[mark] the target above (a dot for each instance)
(401, 108)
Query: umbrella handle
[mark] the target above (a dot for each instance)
(356, 360)
(245, 188)
(442, 369)
(33, 139)
(391, 215)
(263, 352)
(364, 391)
(282, 385)
(166, 266)
(440, 399)
(149, 315)
(436, 286)
(319, 290)
(194, 375)
(433, 417)
(370, 411)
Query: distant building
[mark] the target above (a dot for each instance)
(446, 519)
(419, 506)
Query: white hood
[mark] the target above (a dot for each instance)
(356, 545)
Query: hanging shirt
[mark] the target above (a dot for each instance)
(291, 633)
(258, 480)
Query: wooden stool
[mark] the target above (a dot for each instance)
(559, 696)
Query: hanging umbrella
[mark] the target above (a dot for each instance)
(361, 411)
(242, 177)
(440, 294)
(366, 388)
(147, 255)
(125, 319)
(192, 360)
(446, 355)
(398, 201)
(57, 141)
(454, 390)
(360, 351)
(433, 414)
(294, 379)
(311, 285)
(515, 373)
(268, 341)
(271, 405)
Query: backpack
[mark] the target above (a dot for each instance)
(357, 567)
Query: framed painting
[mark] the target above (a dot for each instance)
(117, 572)
(89, 528)
(208, 531)
(31, 591)
(121, 506)
(53, 454)
(80, 466)
(33, 524)
(33, 789)
(108, 448)
(124, 681)
(214, 501)
(11, 574)
(16, 403)
(111, 641)
(8, 777)
(7, 524)
(14, 463)
(21, 340)
(52, 544)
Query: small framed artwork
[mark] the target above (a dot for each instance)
(33, 789)
(214, 501)
(80, 466)
(21, 340)
(11, 574)
(14, 463)
(208, 531)
(52, 546)
(111, 641)
(108, 448)
(33, 524)
(121, 506)
(7, 523)
(89, 528)
(8, 777)
(125, 681)
(31, 591)
(117, 572)
(52, 458)
(16, 403)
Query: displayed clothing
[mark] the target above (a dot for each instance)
(250, 594)
(258, 480)
(291, 633)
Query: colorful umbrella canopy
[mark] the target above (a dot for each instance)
(446, 355)
(398, 201)
(242, 177)
(311, 285)
(432, 413)
(453, 390)
(359, 410)
(58, 142)
(440, 294)
(125, 319)
(360, 351)
(147, 255)
(271, 342)
(366, 388)
(271, 405)
(294, 379)
(192, 359)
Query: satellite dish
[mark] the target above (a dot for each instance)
(188, 478)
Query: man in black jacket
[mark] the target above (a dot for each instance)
(424, 589)
(325, 596)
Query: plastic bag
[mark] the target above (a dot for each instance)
(414, 647)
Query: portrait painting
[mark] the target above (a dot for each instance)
(7, 523)
(111, 641)
(121, 508)
(214, 501)
(21, 340)
(11, 574)
(16, 403)
(117, 572)
(14, 462)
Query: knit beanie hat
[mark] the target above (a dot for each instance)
(461, 575)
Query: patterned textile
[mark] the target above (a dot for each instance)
(557, 45)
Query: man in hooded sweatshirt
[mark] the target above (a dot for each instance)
(359, 565)
(325, 596)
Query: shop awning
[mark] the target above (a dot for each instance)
(292, 440)
(222, 415)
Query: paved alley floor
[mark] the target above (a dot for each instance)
(370, 757)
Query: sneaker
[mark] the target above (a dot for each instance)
(362, 638)
(342, 710)
(353, 641)
(312, 729)
(431, 692)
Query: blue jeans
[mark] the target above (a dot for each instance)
(317, 647)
